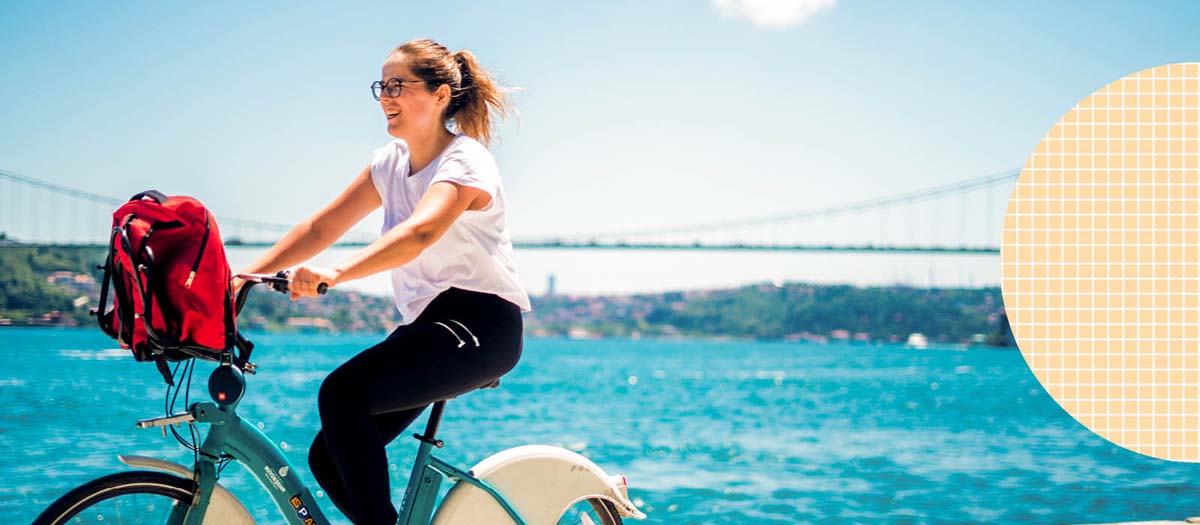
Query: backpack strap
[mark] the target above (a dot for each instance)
(158, 196)
(107, 276)
(122, 297)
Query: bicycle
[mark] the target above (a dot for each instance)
(526, 485)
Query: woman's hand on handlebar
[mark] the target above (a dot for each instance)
(306, 281)
(314, 282)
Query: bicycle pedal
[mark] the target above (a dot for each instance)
(435, 442)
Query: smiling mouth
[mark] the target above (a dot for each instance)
(391, 116)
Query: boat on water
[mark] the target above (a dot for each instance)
(917, 340)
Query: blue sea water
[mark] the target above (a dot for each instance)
(730, 432)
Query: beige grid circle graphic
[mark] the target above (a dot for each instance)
(1099, 262)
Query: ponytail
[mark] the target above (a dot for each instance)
(477, 101)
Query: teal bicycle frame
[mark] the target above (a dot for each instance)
(231, 434)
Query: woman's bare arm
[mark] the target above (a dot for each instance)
(437, 210)
(441, 205)
(323, 228)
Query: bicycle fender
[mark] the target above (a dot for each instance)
(223, 508)
(539, 481)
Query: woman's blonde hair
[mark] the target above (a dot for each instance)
(476, 99)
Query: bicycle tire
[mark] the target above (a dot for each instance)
(100, 490)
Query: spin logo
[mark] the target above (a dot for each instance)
(301, 510)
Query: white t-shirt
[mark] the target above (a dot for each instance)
(476, 253)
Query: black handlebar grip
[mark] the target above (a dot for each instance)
(282, 285)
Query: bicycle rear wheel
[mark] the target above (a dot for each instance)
(140, 497)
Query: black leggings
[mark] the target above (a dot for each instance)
(463, 340)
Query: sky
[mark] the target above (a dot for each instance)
(632, 114)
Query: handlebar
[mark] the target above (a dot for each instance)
(278, 282)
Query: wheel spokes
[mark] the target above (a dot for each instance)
(129, 509)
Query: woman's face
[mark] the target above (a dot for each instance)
(417, 109)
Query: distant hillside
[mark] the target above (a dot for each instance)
(37, 283)
(57, 286)
(794, 311)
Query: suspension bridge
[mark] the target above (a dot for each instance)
(962, 217)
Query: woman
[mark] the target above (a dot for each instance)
(447, 246)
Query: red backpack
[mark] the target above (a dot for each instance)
(171, 282)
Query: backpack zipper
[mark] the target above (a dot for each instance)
(461, 343)
(473, 338)
(200, 254)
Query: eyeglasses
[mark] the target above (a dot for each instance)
(393, 86)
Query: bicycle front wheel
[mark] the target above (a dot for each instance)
(140, 497)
